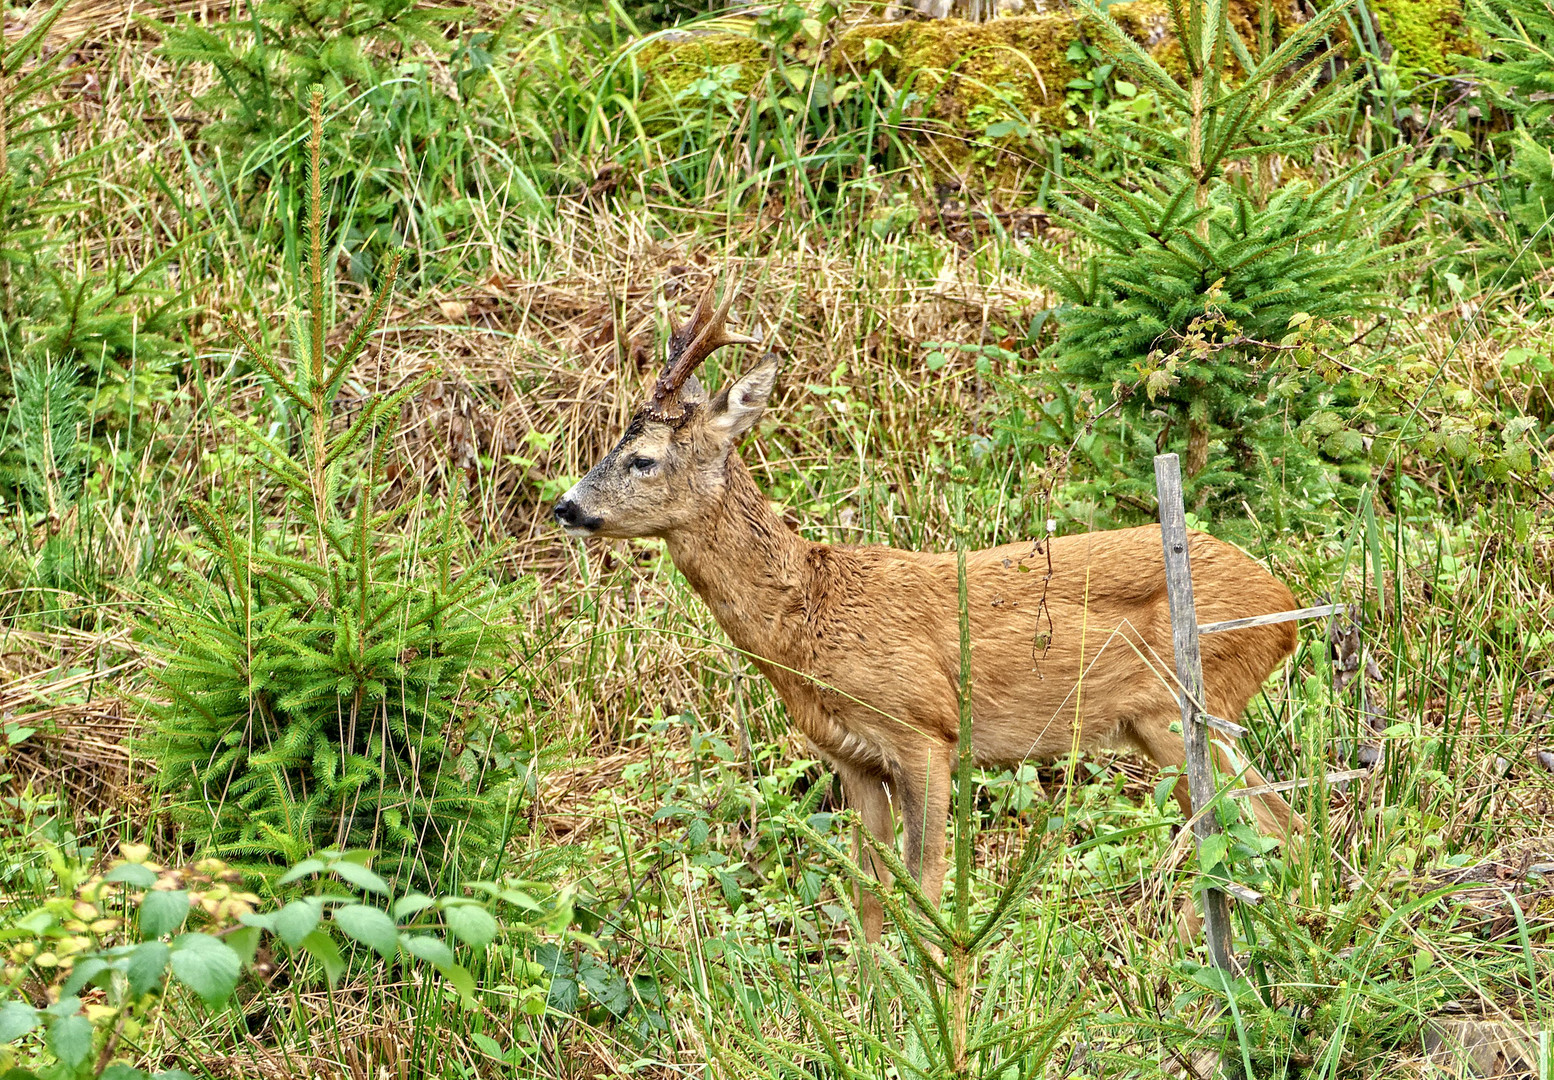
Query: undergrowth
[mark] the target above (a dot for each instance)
(277, 572)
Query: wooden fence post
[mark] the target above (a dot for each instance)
(1189, 672)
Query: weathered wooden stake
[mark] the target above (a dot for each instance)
(1189, 673)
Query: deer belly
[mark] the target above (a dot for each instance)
(1008, 738)
(997, 745)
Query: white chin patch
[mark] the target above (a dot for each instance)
(577, 531)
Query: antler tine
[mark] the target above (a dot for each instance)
(692, 342)
(681, 336)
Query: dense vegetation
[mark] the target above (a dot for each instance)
(324, 753)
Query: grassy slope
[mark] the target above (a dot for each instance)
(862, 446)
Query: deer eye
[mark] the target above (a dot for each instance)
(641, 465)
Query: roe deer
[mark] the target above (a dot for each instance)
(863, 643)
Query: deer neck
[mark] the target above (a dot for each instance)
(747, 565)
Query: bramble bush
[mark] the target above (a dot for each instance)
(87, 972)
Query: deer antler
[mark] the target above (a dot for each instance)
(692, 342)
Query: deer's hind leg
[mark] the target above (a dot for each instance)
(923, 782)
(865, 792)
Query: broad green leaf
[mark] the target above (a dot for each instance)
(462, 981)
(370, 926)
(563, 994)
(162, 912)
(67, 1005)
(518, 898)
(471, 924)
(146, 966)
(1214, 979)
(874, 48)
(16, 1020)
(301, 870)
(730, 886)
(129, 873)
(1212, 850)
(84, 972)
(432, 950)
(70, 1040)
(298, 919)
(121, 1071)
(244, 942)
(361, 877)
(38, 921)
(410, 905)
(550, 959)
(321, 947)
(605, 985)
(207, 966)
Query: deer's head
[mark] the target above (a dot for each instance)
(671, 465)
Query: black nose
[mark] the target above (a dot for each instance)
(567, 513)
(572, 516)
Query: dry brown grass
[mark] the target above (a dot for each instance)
(83, 727)
(564, 351)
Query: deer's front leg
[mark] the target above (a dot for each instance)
(865, 792)
(923, 786)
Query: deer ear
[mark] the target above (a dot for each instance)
(691, 390)
(737, 407)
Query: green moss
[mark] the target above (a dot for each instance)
(1014, 64)
(674, 64)
(1019, 61)
(1425, 33)
(1145, 21)
(967, 76)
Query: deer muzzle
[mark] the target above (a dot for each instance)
(573, 519)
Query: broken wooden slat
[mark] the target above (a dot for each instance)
(1291, 785)
(1219, 723)
(1276, 617)
(1243, 894)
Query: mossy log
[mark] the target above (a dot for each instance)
(1424, 34)
(1017, 64)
